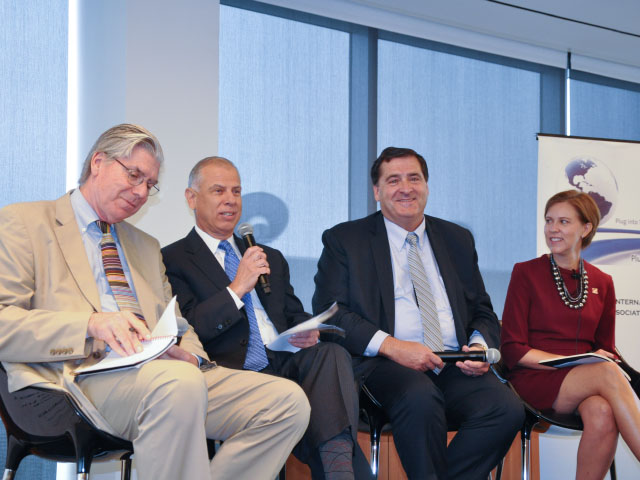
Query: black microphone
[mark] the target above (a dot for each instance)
(245, 230)
(491, 356)
(575, 275)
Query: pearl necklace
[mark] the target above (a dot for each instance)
(569, 300)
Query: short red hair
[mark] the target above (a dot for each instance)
(585, 206)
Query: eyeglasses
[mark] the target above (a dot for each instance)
(135, 178)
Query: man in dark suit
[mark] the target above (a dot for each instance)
(215, 276)
(409, 284)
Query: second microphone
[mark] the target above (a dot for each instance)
(491, 356)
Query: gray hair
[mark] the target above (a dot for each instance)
(119, 142)
(195, 174)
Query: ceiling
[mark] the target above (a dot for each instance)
(610, 30)
(603, 36)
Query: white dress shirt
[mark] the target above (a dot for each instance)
(408, 325)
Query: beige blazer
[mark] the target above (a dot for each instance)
(48, 293)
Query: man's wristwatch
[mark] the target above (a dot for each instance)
(207, 365)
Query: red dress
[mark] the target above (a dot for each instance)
(536, 317)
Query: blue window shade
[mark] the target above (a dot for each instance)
(284, 121)
(33, 103)
(33, 124)
(475, 123)
(604, 111)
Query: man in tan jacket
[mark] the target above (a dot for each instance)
(59, 310)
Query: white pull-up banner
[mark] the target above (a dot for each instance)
(609, 171)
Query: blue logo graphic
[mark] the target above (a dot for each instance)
(594, 178)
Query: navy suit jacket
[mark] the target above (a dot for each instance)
(355, 270)
(200, 283)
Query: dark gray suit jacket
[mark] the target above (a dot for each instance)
(355, 270)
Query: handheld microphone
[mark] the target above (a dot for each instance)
(245, 230)
(491, 356)
(183, 326)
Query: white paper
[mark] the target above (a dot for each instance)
(281, 342)
(163, 336)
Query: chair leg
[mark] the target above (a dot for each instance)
(375, 431)
(526, 451)
(84, 459)
(8, 474)
(16, 451)
(612, 470)
(125, 469)
(499, 470)
(375, 446)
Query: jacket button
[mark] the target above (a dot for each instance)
(244, 342)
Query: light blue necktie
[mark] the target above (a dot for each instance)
(256, 355)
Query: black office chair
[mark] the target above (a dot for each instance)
(49, 424)
(372, 414)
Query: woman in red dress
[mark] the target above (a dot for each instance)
(559, 305)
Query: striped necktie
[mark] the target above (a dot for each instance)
(431, 334)
(125, 298)
(256, 358)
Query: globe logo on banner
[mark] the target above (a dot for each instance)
(612, 245)
(594, 178)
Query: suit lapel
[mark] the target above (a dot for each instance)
(382, 262)
(204, 260)
(70, 241)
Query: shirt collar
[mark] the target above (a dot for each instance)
(398, 235)
(85, 214)
(212, 242)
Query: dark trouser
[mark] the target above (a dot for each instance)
(422, 407)
(325, 374)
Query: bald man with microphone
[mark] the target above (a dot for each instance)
(238, 297)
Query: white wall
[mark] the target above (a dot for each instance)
(154, 63)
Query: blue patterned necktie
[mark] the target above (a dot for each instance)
(256, 355)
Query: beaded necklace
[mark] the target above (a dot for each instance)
(583, 286)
